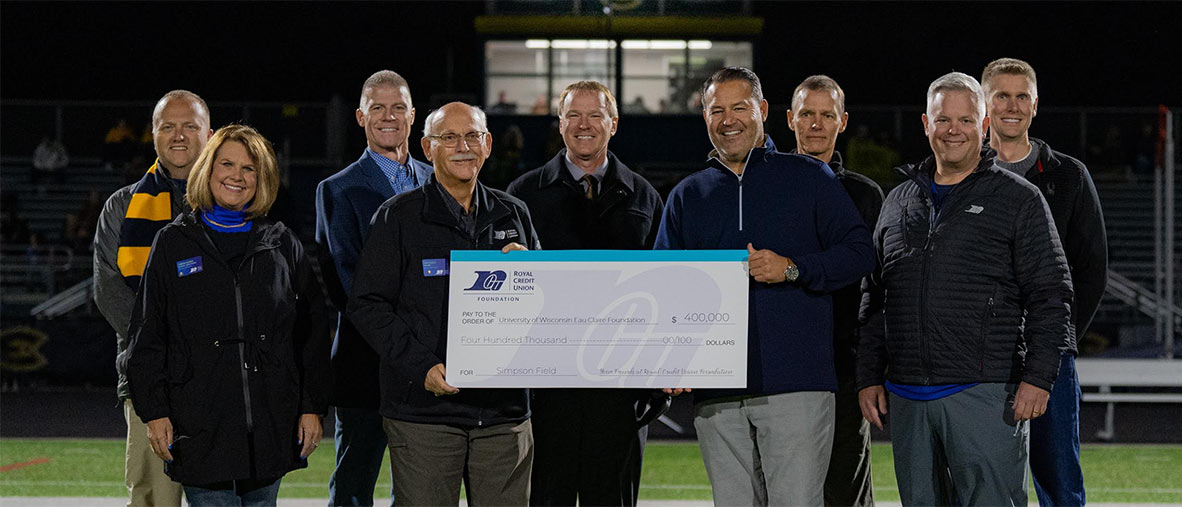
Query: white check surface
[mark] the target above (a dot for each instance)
(598, 318)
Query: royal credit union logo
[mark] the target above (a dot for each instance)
(489, 280)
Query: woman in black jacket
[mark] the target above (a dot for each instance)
(228, 361)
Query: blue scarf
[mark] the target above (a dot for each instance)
(223, 220)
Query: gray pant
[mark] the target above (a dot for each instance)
(428, 461)
(964, 449)
(766, 450)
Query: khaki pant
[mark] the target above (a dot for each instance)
(430, 460)
(144, 473)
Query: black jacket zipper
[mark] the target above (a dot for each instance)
(924, 355)
(242, 356)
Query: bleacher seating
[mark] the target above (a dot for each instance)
(31, 279)
(45, 205)
(1128, 215)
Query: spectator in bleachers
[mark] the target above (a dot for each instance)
(1144, 161)
(80, 225)
(49, 160)
(127, 224)
(1110, 151)
(541, 105)
(637, 106)
(14, 228)
(147, 148)
(119, 145)
(505, 163)
(503, 106)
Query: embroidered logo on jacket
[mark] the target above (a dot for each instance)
(974, 209)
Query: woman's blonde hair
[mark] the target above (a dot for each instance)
(197, 190)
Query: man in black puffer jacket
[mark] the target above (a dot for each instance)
(967, 317)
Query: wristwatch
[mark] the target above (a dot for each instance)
(791, 273)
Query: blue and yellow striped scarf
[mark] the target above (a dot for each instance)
(149, 211)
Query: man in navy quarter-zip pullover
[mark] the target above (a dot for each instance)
(768, 444)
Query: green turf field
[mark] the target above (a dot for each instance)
(672, 471)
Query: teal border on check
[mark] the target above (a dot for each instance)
(600, 256)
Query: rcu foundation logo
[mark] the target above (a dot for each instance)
(489, 280)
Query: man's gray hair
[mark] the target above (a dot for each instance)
(384, 78)
(819, 83)
(178, 95)
(433, 118)
(958, 81)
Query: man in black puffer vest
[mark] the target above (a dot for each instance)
(1011, 91)
(967, 317)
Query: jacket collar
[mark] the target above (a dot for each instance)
(490, 208)
(555, 171)
(266, 233)
(835, 162)
(757, 153)
(922, 172)
(1046, 155)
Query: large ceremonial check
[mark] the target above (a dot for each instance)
(598, 318)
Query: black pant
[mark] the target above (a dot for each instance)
(587, 446)
(848, 482)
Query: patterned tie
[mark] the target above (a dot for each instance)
(591, 183)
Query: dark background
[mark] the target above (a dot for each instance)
(1086, 53)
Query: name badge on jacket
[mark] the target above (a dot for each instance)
(188, 266)
(434, 267)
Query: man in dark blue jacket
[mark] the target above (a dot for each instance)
(345, 202)
(769, 443)
(589, 443)
(1011, 91)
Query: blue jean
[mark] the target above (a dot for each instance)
(246, 493)
(1054, 443)
(361, 445)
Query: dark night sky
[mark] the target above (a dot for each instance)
(1087, 54)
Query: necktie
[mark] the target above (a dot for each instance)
(591, 182)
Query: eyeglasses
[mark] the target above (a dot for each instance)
(451, 140)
